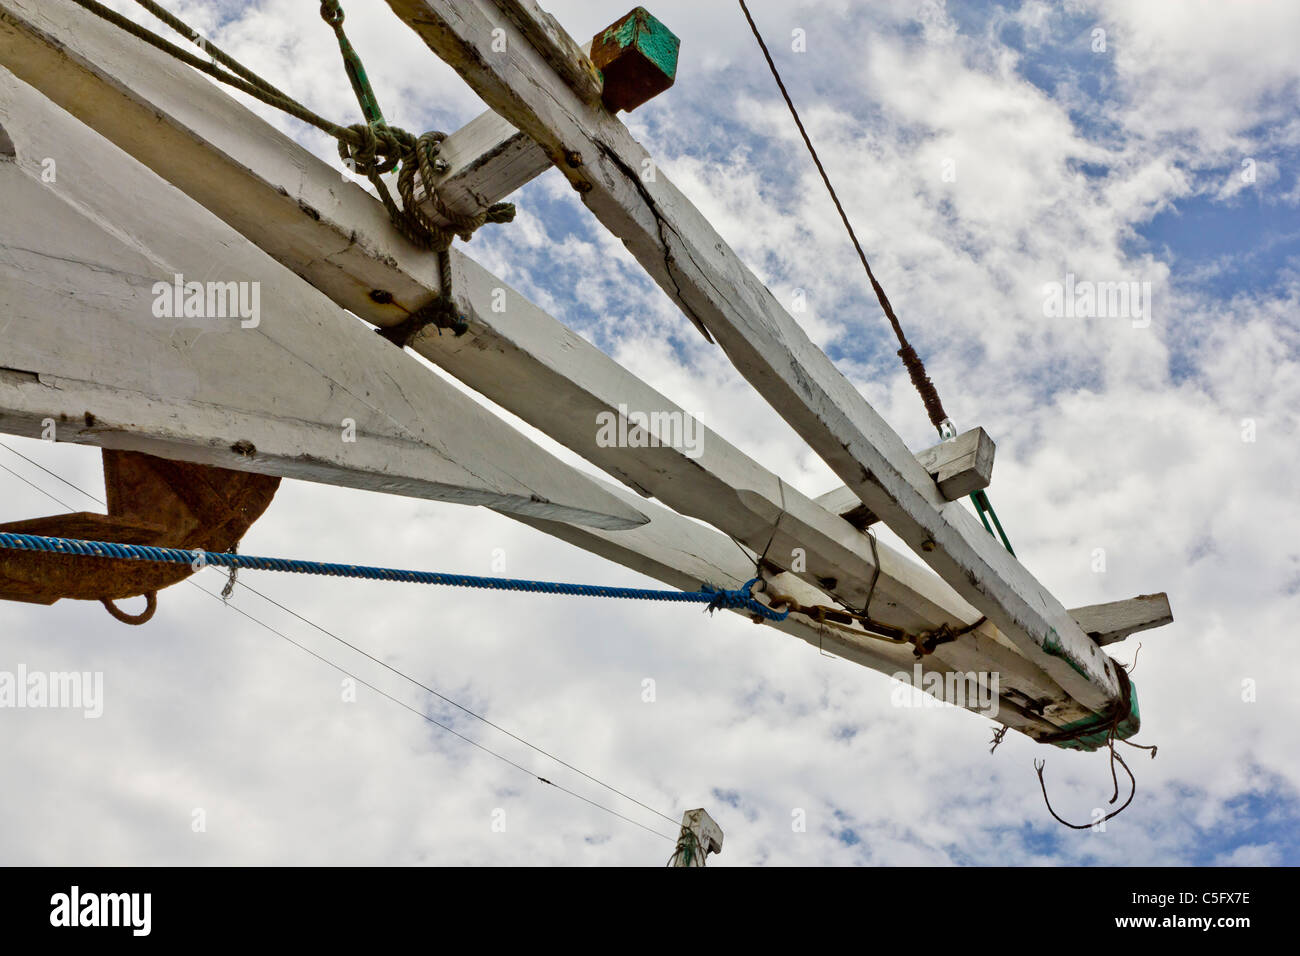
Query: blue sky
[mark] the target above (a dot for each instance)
(1123, 163)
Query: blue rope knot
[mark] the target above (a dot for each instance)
(741, 599)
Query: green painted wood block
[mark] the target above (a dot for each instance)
(637, 56)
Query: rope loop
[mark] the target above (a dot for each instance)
(150, 605)
(331, 11)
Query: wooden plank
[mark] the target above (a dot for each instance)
(261, 182)
(335, 234)
(282, 382)
(1116, 620)
(693, 264)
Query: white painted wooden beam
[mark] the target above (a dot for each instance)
(487, 160)
(700, 836)
(1116, 620)
(336, 235)
(545, 35)
(693, 264)
(300, 210)
(290, 386)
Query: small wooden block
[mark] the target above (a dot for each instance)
(637, 56)
(959, 466)
(1108, 623)
(962, 465)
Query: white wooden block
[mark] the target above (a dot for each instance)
(1116, 620)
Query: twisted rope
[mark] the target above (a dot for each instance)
(716, 598)
(370, 149)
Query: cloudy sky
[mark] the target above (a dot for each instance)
(984, 151)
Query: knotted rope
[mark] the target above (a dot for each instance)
(371, 149)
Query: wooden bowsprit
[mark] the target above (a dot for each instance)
(688, 259)
(982, 614)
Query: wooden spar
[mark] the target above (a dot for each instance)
(335, 234)
(302, 212)
(260, 182)
(958, 466)
(700, 835)
(288, 386)
(689, 260)
(553, 43)
(305, 214)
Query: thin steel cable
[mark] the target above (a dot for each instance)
(359, 650)
(911, 361)
(38, 488)
(54, 475)
(377, 690)
(436, 723)
(453, 703)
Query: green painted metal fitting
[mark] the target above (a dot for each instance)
(637, 58)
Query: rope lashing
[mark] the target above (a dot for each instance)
(716, 598)
(416, 154)
(371, 149)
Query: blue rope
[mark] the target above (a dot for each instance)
(715, 598)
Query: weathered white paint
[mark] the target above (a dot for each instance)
(261, 182)
(307, 392)
(1116, 620)
(487, 160)
(960, 465)
(706, 834)
(680, 249)
(545, 35)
